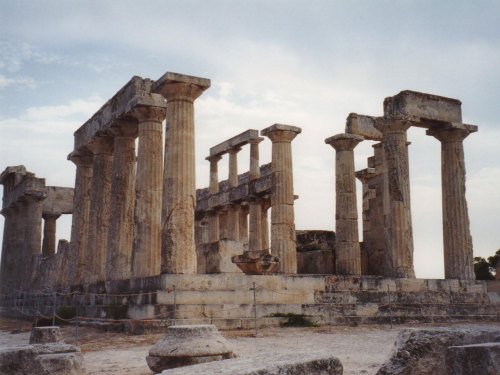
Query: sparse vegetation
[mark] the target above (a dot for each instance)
(295, 320)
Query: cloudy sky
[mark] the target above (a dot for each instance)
(302, 63)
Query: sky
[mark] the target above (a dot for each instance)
(307, 64)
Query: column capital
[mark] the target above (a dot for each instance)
(149, 113)
(281, 132)
(51, 216)
(344, 141)
(451, 132)
(101, 145)
(392, 125)
(364, 175)
(214, 158)
(124, 128)
(81, 158)
(174, 86)
(255, 141)
(234, 150)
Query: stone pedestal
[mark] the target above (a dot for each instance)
(398, 234)
(121, 213)
(348, 256)
(186, 345)
(282, 198)
(146, 253)
(80, 217)
(49, 235)
(458, 258)
(100, 191)
(179, 185)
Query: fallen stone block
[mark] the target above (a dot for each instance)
(186, 345)
(475, 359)
(423, 351)
(296, 363)
(41, 359)
(45, 335)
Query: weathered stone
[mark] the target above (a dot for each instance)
(423, 351)
(215, 257)
(45, 335)
(362, 125)
(185, 345)
(315, 262)
(256, 262)
(475, 359)
(235, 142)
(41, 359)
(298, 363)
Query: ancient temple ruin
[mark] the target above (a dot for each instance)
(139, 223)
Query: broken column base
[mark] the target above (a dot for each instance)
(256, 262)
(186, 345)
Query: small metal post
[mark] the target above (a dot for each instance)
(255, 307)
(54, 311)
(330, 308)
(390, 306)
(449, 309)
(175, 306)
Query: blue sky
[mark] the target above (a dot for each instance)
(307, 64)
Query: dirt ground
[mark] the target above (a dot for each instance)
(362, 349)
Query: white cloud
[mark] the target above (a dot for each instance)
(17, 81)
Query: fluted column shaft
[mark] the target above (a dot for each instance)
(233, 167)
(283, 243)
(398, 234)
(22, 261)
(100, 192)
(49, 235)
(179, 184)
(8, 252)
(254, 158)
(457, 240)
(80, 218)
(265, 226)
(213, 188)
(243, 221)
(146, 256)
(347, 250)
(255, 225)
(233, 222)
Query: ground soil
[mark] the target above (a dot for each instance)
(362, 349)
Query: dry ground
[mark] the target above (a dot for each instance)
(362, 350)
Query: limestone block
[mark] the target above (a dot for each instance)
(315, 262)
(475, 359)
(308, 240)
(45, 335)
(215, 257)
(256, 262)
(186, 345)
(423, 351)
(234, 142)
(59, 200)
(41, 359)
(423, 107)
(362, 125)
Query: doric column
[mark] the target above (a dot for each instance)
(223, 232)
(213, 188)
(33, 225)
(233, 167)
(102, 149)
(243, 221)
(458, 258)
(80, 217)
(255, 225)
(398, 236)
(121, 211)
(179, 184)
(254, 158)
(283, 243)
(347, 251)
(146, 255)
(233, 225)
(49, 234)
(265, 204)
(8, 251)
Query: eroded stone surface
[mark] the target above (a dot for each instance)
(45, 335)
(475, 359)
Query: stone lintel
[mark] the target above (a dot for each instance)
(234, 142)
(170, 77)
(59, 201)
(364, 174)
(281, 127)
(30, 187)
(362, 125)
(421, 107)
(112, 110)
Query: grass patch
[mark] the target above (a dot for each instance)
(117, 311)
(295, 320)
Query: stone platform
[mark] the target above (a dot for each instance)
(227, 300)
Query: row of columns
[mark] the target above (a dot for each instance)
(398, 236)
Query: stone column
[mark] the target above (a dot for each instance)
(458, 258)
(233, 167)
(100, 191)
(49, 235)
(398, 236)
(8, 251)
(33, 225)
(179, 184)
(146, 255)
(347, 251)
(80, 217)
(255, 225)
(254, 158)
(213, 188)
(265, 204)
(283, 243)
(233, 225)
(121, 212)
(223, 232)
(22, 261)
(243, 221)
